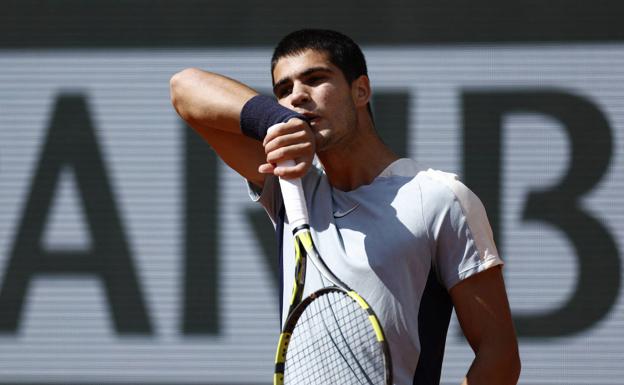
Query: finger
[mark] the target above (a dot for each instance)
(293, 125)
(295, 151)
(266, 168)
(291, 172)
(287, 140)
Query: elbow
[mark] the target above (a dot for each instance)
(510, 366)
(178, 87)
(514, 366)
(498, 363)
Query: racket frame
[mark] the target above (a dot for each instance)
(291, 323)
(304, 250)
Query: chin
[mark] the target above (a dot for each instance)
(322, 140)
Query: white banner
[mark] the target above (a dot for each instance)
(63, 326)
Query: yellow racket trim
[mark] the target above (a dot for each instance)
(371, 317)
(306, 239)
(299, 274)
(358, 299)
(282, 345)
(280, 357)
(373, 320)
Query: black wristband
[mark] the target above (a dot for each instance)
(260, 113)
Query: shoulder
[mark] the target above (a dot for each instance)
(437, 189)
(442, 189)
(449, 206)
(458, 224)
(428, 178)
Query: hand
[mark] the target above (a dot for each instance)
(293, 140)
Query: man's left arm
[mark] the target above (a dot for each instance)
(483, 312)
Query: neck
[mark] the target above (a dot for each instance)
(359, 161)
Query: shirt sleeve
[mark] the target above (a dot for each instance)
(463, 240)
(268, 196)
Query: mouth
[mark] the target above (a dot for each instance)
(312, 118)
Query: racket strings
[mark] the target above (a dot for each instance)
(334, 343)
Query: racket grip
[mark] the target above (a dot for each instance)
(292, 193)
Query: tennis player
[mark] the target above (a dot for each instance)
(414, 242)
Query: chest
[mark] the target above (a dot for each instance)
(382, 234)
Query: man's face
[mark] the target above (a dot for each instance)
(310, 84)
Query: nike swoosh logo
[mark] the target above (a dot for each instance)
(340, 214)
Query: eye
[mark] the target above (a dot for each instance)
(316, 79)
(282, 92)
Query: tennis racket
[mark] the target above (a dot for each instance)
(331, 336)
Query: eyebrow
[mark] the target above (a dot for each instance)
(305, 73)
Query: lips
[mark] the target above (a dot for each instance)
(312, 118)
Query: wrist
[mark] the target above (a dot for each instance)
(261, 112)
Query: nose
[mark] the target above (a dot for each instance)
(299, 95)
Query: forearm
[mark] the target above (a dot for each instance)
(209, 101)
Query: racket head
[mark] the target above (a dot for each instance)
(332, 337)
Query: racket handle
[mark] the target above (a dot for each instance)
(292, 193)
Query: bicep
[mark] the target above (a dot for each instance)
(483, 311)
(206, 99)
(211, 104)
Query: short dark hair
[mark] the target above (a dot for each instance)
(341, 51)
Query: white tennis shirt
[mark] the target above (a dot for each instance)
(401, 242)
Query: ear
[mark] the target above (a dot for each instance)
(361, 91)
